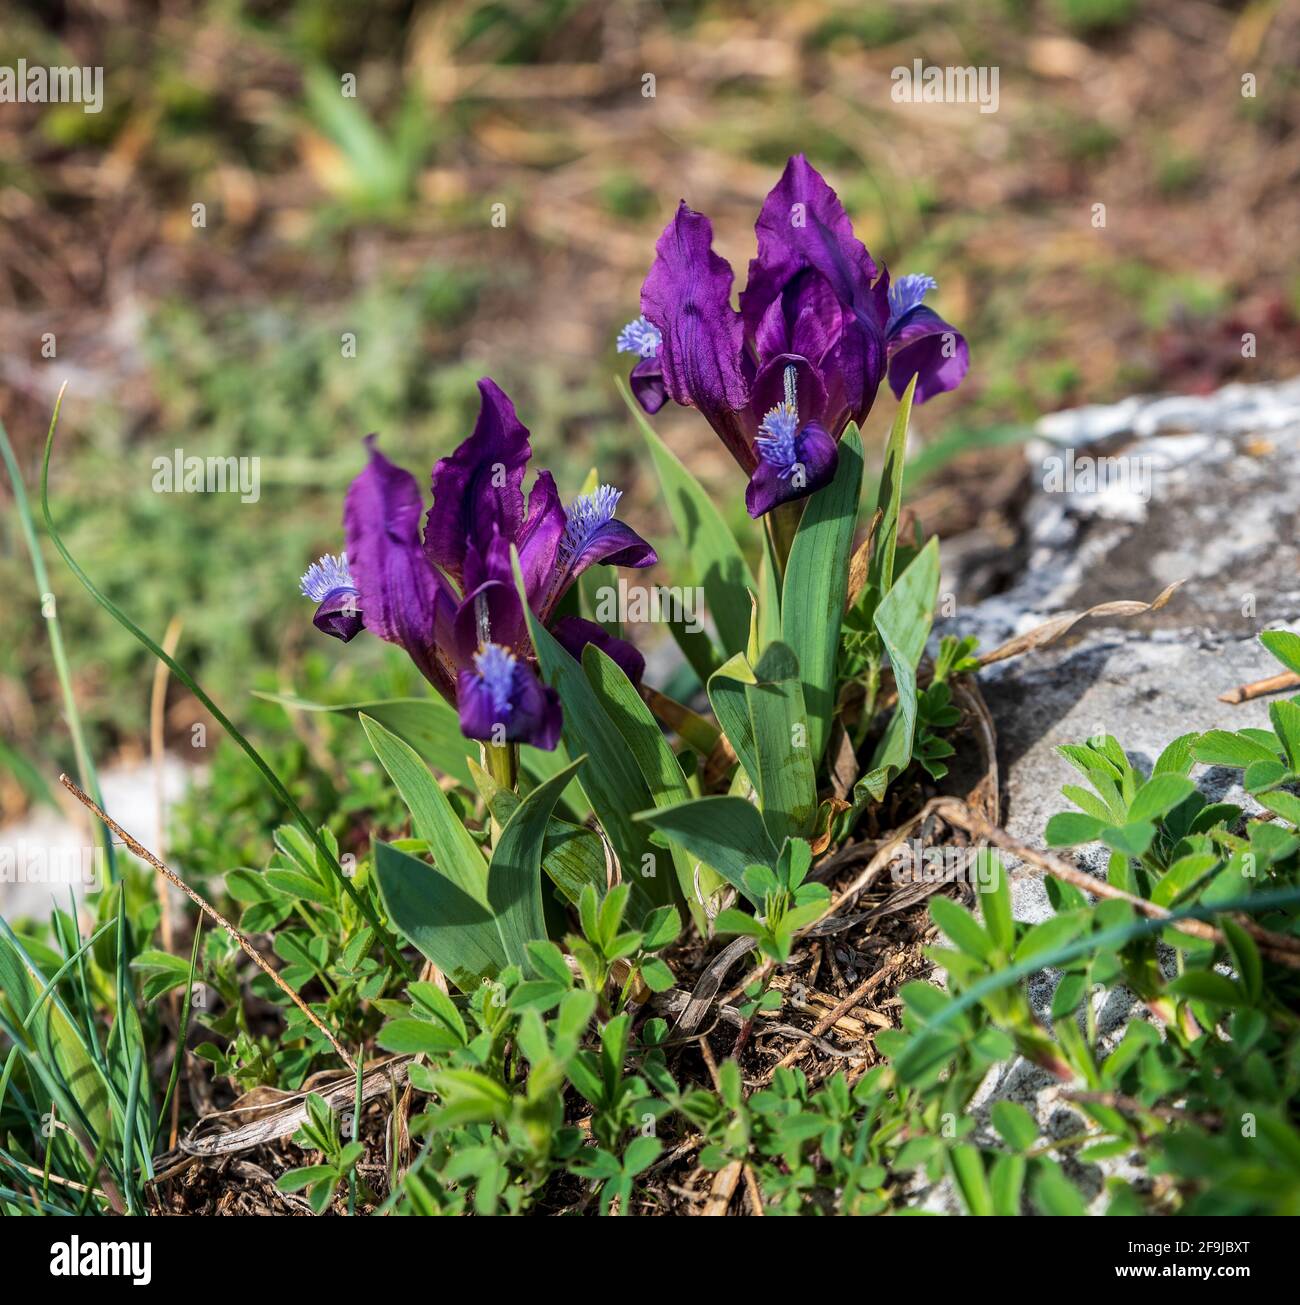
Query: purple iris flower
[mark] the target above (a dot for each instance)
(818, 329)
(447, 595)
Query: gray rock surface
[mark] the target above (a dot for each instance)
(1220, 511)
(1221, 514)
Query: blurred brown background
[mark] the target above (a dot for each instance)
(372, 215)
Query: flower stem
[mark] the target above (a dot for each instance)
(782, 522)
(501, 761)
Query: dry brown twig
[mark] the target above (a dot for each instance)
(253, 954)
(1261, 688)
(284, 1118)
(1050, 631)
(725, 1180)
(1280, 948)
(157, 742)
(866, 986)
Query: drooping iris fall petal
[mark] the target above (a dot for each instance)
(573, 634)
(328, 583)
(793, 464)
(921, 343)
(501, 700)
(647, 381)
(592, 536)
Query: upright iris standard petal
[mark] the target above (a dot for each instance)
(803, 225)
(502, 701)
(687, 297)
(399, 592)
(921, 343)
(808, 257)
(539, 540)
(573, 634)
(806, 318)
(480, 487)
(328, 583)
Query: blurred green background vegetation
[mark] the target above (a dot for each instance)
(327, 215)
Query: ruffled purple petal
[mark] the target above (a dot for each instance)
(805, 318)
(687, 295)
(853, 369)
(573, 634)
(479, 488)
(923, 345)
(339, 614)
(399, 593)
(803, 225)
(539, 540)
(812, 468)
(647, 381)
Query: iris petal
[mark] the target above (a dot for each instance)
(339, 615)
(687, 295)
(539, 540)
(573, 634)
(647, 381)
(814, 467)
(480, 487)
(399, 592)
(803, 225)
(528, 712)
(923, 345)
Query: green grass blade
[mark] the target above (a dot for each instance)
(85, 766)
(362, 904)
(182, 1028)
(128, 1134)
